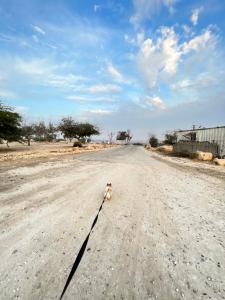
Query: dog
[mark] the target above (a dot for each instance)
(108, 191)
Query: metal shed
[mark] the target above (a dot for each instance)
(215, 135)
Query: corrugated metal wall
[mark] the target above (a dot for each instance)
(212, 135)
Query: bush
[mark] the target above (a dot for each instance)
(170, 139)
(77, 144)
(153, 141)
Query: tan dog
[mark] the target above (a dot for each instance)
(108, 191)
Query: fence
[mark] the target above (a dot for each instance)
(191, 147)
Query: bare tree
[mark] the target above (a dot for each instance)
(110, 136)
(129, 135)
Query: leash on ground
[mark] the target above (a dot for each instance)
(80, 253)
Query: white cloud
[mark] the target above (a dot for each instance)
(160, 58)
(64, 81)
(195, 15)
(35, 66)
(159, 61)
(198, 42)
(202, 80)
(101, 112)
(85, 99)
(186, 29)
(114, 73)
(45, 72)
(104, 88)
(156, 102)
(181, 84)
(38, 29)
(145, 9)
(78, 98)
(129, 39)
(97, 8)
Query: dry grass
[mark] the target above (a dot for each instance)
(39, 150)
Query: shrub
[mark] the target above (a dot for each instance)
(77, 144)
(153, 141)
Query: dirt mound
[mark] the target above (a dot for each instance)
(165, 148)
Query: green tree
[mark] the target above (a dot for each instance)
(10, 125)
(85, 131)
(153, 141)
(124, 136)
(68, 128)
(170, 139)
(81, 131)
(121, 135)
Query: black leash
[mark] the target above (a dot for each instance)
(80, 253)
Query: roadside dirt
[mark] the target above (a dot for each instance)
(161, 237)
(44, 150)
(182, 163)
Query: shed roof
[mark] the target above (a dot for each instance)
(204, 128)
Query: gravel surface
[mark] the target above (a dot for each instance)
(162, 236)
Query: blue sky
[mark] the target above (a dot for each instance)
(148, 65)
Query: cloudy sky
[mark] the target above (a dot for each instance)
(147, 65)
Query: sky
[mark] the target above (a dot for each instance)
(151, 66)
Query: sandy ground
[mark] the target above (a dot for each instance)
(162, 236)
(18, 151)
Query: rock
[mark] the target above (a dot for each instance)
(219, 162)
(206, 156)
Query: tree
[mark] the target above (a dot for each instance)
(51, 132)
(40, 131)
(129, 135)
(153, 141)
(10, 125)
(124, 136)
(110, 136)
(86, 130)
(81, 131)
(121, 135)
(67, 127)
(170, 139)
(27, 132)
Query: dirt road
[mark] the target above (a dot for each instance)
(161, 237)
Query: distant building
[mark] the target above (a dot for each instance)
(215, 135)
